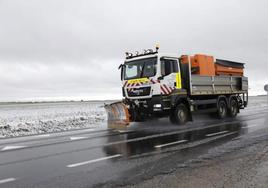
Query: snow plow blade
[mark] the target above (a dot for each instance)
(118, 114)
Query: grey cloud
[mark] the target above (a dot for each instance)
(73, 48)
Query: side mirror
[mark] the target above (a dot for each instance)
(160, 78)
(122, 70)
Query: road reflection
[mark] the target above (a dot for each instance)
(143, 139)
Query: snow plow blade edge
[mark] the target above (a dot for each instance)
(118, 114)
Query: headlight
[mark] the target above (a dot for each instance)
(157, 105)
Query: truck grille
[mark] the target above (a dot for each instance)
(142, 91)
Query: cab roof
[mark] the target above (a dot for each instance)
(144, 56)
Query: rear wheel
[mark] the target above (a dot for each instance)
(221, 109)
(233, 110)
(179, 115)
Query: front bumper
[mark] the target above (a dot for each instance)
(155, 104)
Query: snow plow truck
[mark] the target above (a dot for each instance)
(157, 85)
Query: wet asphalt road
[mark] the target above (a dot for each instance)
(111, 158)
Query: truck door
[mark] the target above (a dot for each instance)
(170, 72)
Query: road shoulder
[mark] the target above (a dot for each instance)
(242, 162)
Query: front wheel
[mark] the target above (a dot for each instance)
(179, 115)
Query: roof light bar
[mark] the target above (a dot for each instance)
(145, 52)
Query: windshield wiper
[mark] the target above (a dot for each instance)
(142, 69)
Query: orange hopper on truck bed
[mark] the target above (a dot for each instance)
(204, 65)
(200, 64)
(224, 67)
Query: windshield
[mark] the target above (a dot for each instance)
(140, 68)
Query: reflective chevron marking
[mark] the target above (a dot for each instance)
(165, 90)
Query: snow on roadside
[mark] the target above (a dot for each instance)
(37, 118)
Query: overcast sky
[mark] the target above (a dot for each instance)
(63, 49)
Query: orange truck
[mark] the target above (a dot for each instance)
(157, 84)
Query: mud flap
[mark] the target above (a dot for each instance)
(118, 114)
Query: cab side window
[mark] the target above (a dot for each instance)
(168, 66)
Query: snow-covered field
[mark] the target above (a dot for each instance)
(36, 118)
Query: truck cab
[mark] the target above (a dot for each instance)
(148, 80)
(150, 75)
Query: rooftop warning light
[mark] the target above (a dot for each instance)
(157, 46)
(145, 52)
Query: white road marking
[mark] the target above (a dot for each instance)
(44, 135)
(77, 138)
(93, 161)
(251, 126)
(124, 131)
(7, 180)
(94, 130)
(171, 143)
(41, 135)
(12, 147)
(214, 134)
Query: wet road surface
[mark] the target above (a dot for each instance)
(111, 158)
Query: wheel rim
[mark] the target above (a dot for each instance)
(233, 108)
(181, 115)
(222, 109)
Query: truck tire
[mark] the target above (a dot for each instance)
(221, 109)
(179, 115)
(233, 110)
